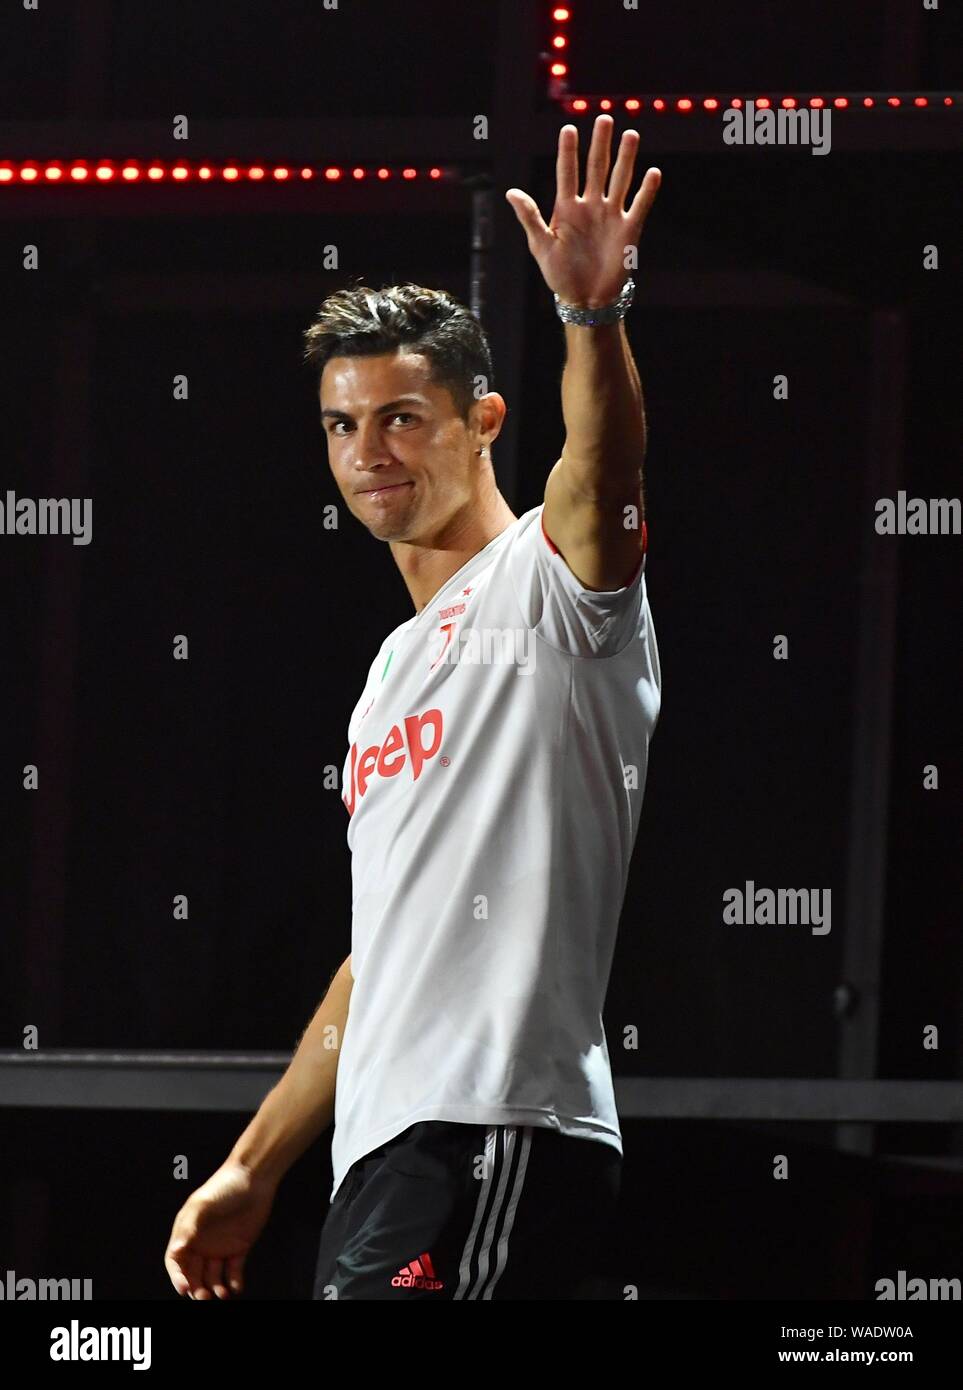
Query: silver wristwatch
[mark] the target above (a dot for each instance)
(605, 313)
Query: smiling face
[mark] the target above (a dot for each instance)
(403, 458)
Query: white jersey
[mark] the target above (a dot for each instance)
(494, 782)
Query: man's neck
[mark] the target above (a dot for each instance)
(425, 568)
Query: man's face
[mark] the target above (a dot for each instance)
(403, 458)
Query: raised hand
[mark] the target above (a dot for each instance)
(582, 251)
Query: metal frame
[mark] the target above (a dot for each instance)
(239, 1081)
(872, 722)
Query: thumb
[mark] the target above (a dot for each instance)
(526, 210)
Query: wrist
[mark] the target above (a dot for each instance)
(594, 301)
(592, 312)
(261, 1164)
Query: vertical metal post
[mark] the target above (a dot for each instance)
(872, 723)
(481, 246)
(512, 136)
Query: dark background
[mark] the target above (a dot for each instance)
(206, 777)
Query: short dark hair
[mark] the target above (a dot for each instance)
(363, 322)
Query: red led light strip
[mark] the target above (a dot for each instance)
(104, 171)
(686, 105)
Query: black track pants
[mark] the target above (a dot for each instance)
(448, 1211)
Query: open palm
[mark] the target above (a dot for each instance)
(582, 251)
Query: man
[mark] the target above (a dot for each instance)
(494, 782)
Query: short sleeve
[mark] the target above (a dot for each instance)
(562, 612)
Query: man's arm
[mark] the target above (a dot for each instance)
(594, 506)
(593, 498)
(215, 1229)
(301, 1105)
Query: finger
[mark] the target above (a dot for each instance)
(643, 200)
(235, 1273)
(531, 219)
(176, 1275)
(621, 179)
(566, 163)
(185, 1269)
(214, 1277)
(597, 164)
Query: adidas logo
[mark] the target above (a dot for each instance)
(418, 1274)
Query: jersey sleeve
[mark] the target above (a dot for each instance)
(558, 607)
